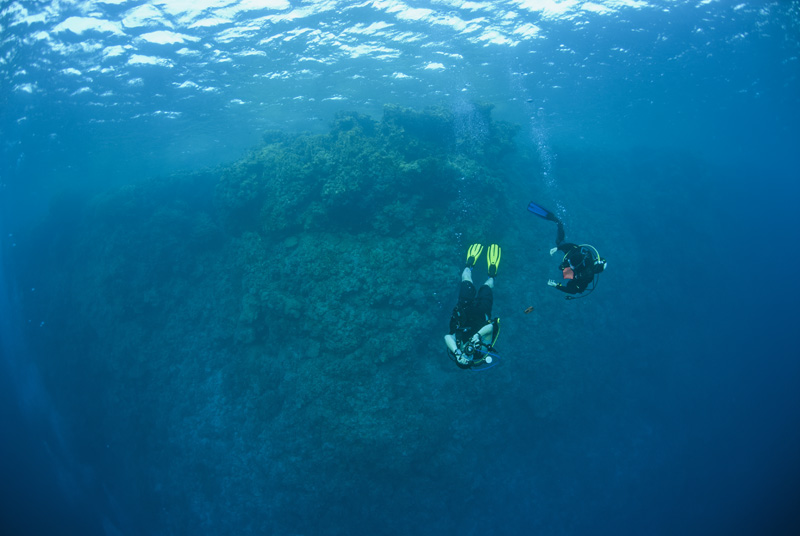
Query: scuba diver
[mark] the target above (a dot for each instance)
(473, 331)
(581, 263)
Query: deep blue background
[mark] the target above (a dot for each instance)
(677, 157)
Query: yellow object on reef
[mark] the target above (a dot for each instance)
(473, 253)
(493, 259)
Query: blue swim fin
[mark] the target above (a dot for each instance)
(541, 212)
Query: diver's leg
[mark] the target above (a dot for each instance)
(483, 305)
(485, 299)
(466, 293)
(560, 234)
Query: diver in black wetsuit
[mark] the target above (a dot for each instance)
(579, 267)
(581, 263)
(473, 331)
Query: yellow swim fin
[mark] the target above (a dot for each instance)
(493, 259)
(473, 253)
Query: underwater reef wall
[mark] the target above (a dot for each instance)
(235, 344)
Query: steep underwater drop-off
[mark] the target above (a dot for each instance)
(245, 333)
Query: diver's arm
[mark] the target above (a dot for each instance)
(450, 341)
(570, 288)
(486, 331)
(483, 334)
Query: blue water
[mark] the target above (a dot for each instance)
(170, 358)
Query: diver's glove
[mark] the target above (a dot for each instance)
(551, 283)
(553, 251)
(476, 339)
(461, 357)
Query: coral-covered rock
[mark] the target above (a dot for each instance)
(275, 318)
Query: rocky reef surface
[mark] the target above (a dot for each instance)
(257, 348)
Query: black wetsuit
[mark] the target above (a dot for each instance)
(473, 311)
(583, 268)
